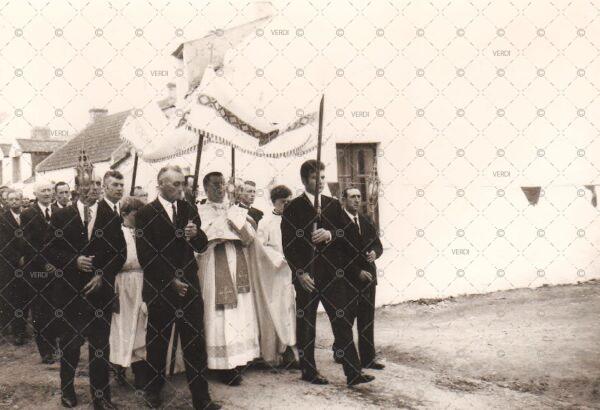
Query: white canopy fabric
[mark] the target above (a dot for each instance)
(216, 111)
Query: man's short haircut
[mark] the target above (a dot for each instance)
(280, 192)
(59, 184)
(112, 173)
(348, 188)
(166, 168)
(131, 204)
(207, 177)
(308, 167)
(14, 191)
(251, 183)
(138, 187)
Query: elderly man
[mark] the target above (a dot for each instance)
(62, 195)
(88, 249)
(169, 235)
(231, 323)
(38, 276)
(11, 255)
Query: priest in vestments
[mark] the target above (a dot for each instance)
(230, 318)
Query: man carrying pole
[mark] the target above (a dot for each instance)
(308, 226)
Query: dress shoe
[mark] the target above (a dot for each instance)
(104, 405)
(48, 359)
(209, 405)
(152, 400)
(375, 365)
(361, 378)
(68, 401)
(315, 378)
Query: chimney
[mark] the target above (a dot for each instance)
(96, 113)
(40, 133)
(172, 89)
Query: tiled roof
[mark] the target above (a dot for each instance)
(99, 139)
(45, 146)
(5, 149)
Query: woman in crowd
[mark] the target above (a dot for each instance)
(130, 316)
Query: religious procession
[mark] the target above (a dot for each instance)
(189, 277)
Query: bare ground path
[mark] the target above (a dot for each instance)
(525, 348)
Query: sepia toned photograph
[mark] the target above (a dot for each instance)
(299, 204)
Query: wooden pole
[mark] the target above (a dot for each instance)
(317, 203)
(135, 167)
(197, 167)
(233, 164)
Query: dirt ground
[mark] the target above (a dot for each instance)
(526, 348)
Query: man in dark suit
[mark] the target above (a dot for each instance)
(169, 233)
(364, 247)
(246, 200)
(11, 252)
(88, 249)
(39, 275)
(62, 195)
(316, 258)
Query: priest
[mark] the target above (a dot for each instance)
(230, 318)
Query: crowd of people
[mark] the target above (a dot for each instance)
(208, 286)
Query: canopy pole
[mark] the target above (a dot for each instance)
(317, 203)
(135, 167)
(197, 167)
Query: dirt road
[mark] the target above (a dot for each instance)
(526, 348)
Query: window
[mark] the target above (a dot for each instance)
(357, 167)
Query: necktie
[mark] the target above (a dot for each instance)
(47, 215)
(115, 208)
(174, 213)
(357, 225)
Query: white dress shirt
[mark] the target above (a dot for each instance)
(17, 217)
(311, 198)
(168, 207)
(112, 205)
(43, 209)
(356, 221)
(93, 211)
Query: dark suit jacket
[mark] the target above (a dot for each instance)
(296, 230)
(11, 241)
(254, 213)
(36, 232)
(54, 207)
(358, 244)
(164, 253)
(70, 241)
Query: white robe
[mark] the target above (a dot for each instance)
(232, 333)
(274, 291)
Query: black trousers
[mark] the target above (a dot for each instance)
(37, 297)
(335, 295)
(84, 320)
(21, 296)
(364, 312)
(188, 316)
(6, 297)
